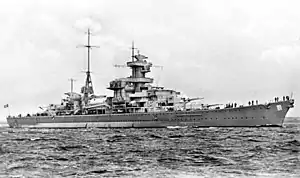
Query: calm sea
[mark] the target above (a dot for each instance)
(180, 152)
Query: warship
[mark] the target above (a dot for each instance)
(137, 103)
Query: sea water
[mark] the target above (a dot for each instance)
(167, 152)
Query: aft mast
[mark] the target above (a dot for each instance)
(88, 90)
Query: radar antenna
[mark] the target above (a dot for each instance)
(88, 90)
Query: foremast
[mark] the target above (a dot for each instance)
(87, 90)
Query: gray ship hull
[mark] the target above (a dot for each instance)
(271, 114)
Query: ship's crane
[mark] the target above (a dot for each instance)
(72, 82)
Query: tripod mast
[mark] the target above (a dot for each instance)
(88, 90)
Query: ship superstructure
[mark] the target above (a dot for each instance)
(136, 94)
(137, 103)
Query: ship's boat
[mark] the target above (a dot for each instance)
(137, 103)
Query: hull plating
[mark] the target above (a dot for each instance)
(249, 116)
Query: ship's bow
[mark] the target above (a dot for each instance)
(279, 111)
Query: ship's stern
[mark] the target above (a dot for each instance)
(11, 122)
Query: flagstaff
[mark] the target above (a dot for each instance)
(7, 106)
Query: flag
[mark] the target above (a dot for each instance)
(6, 106)
(140, 57)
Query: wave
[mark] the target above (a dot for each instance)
(221, 152)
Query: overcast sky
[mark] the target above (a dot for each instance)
(225, 51)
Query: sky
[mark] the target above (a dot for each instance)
(222, 50)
